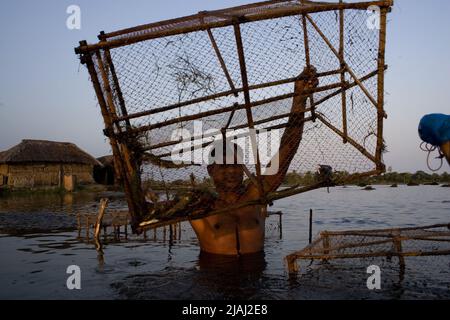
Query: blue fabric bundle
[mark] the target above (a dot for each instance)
(435, 129)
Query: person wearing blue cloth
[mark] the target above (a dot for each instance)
(435, 130)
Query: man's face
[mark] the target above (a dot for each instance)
(226, 176)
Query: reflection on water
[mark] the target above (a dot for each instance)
(38, 242)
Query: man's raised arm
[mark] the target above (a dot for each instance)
(293, 133)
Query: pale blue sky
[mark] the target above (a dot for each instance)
(45, 93)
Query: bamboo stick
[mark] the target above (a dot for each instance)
(182, 19)
(240, 135)
(227, 93)
(350, 140)
(131, 167)
(380, 103)
(393, 230)
(375, 254)
(267, 14)
(224, 68)
(349, 246)
(291, 262)
(347, 87)
(342, 63)
(220, 111)
(118, 161)
(101, 213)
(98, 223)
(308, 60)
(213, 134)
(117, 89)
(271, 197)
(326, 243)
(221, 61)
(349, 70)
(324, 99)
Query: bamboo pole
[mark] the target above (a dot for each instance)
(117, 88)
(380, 102)
(227, 93)
(271, 197)
(342, 63)
(393, 230)
(347, 87)
(350, 140)
(101, 213)
(98, 223)
(376, 254)
(324, 99)
(240, 135)
(349, 70)
(262, 15)
(292, 264)
(221, 60)
(220, 13)
(224, 69)
(131, 164)
(326, 244)
(221, 110)
(348, 246)
(308, 60)
(113, 112)
(118, 161)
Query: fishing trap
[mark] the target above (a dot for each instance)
(233, 71)
(420, 246)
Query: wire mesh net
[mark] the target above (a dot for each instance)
(404, 256)
(172, 89)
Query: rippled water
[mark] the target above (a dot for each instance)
(33, 260)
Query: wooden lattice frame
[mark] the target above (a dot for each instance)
(323, 249)
(117, 124)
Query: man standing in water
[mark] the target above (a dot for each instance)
(241, 231)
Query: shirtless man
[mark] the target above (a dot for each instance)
(241, 231)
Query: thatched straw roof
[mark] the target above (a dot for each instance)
(42, 151)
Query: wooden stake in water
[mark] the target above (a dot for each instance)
(310, 225)
(98, 223)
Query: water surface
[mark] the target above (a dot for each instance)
(39, 241)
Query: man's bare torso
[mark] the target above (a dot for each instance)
(238, 232)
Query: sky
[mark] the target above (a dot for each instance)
(46, 94)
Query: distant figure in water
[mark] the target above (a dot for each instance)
(435, 130)
(241, 231)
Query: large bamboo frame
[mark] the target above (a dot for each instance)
(121, 134)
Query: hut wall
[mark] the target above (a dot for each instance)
(36, 175)
(3, 174)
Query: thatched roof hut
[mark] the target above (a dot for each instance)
(32, 151)
(34, 163)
